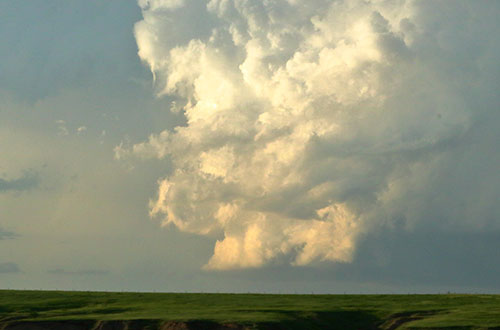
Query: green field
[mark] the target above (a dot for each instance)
(249, 311)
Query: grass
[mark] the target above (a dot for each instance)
(287, 311)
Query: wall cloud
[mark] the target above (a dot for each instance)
(310, 124)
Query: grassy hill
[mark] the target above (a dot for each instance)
(99, 310)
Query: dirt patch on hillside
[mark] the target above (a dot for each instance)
(396, 320)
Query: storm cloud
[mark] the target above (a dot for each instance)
(312, 127)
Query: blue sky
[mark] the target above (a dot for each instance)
(285, 146)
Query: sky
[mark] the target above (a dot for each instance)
(279, 146)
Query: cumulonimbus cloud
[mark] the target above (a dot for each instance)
(310, 123)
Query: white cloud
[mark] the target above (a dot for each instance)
(160, 4)
(82, 129)
(61, 128)
(309, 123)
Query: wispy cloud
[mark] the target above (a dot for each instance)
(60, 271)
(9, 267)
(28, 181)
(4, 234)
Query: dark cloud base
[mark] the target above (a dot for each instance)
(399, 260)
(427, 257)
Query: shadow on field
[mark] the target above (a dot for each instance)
(290, 320)
(55, 305)
(100, 311)
(348, 320)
